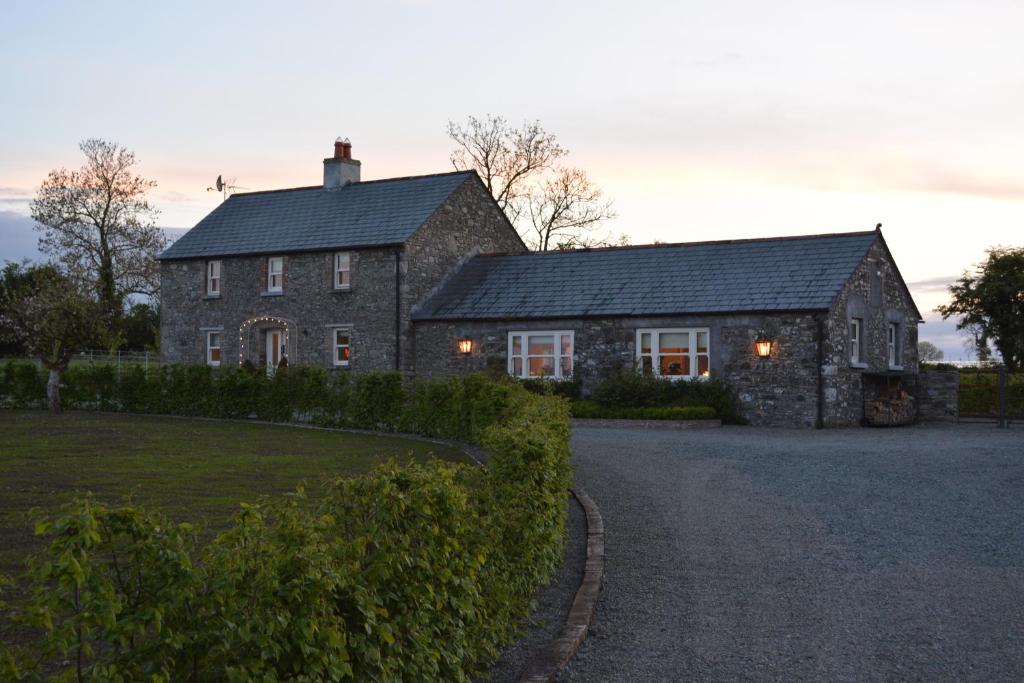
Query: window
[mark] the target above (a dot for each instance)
(213, 348)
(342, 347)
(275, 274)
(213, 278)
(680, 353)
(540, 354)
(342, 270)
(894, 345)
(856, 325)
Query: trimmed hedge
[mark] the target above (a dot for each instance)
(409, 573)
(590, 409)
(627, 389)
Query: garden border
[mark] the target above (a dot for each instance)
(561, 650)
(618, 423)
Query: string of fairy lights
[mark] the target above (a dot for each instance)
(246, 328)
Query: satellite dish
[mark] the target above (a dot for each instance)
(220, 184)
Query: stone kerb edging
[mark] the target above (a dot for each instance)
(558, 653)
(645, 424)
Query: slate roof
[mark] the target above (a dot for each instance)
(775, 274)
(365, 214)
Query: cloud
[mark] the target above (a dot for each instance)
(931, 178)
(18, 237)
(724, 59)
(934, 284)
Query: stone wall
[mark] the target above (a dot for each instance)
(938, 395)
(306, 307)
(875, 294)
(778, 391)
(468, 223)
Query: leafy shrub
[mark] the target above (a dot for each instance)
(409, 573)
(627, 389)
(22, 385)
(566, 388)
(590, 409)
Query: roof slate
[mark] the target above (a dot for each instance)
(365, 214)
(780, 274)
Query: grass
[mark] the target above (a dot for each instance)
(190, 470)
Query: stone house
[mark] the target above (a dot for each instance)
(426, 275)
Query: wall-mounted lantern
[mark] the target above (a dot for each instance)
(763, 346)
(465, 346)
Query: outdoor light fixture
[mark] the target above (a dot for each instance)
(465, 346)
(763, 346)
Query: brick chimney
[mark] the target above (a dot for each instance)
(341, 169)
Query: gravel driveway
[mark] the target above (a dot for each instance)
(839, 555)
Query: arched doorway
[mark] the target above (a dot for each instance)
(266, 341)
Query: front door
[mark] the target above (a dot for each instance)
(275, 349)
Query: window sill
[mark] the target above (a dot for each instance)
(339, 290)
(859, 366)
(896, 367)
(340, 366)
(209, 297)
(271, 293)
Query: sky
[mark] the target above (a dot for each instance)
(699, 120)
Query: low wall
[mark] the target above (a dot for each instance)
(938, 395)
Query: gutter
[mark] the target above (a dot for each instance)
(398, 310)
(820, 420)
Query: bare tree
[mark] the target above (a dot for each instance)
(552, 207)
(565, 210)
(98, 226)
(928, 352)
(52, 317)
(506, 158)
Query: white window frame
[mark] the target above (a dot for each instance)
(213, 270)
(339, 258)
(210, 347)
(893, 343)
(856, 334)
(279, 273)
(655, 354)
(525, 356)
(332, 343)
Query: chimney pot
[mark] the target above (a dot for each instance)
(339, 148)
(346, 149)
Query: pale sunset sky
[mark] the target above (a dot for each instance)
(700, 120)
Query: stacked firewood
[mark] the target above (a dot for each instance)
(895, 409)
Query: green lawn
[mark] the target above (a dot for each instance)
(191, 470)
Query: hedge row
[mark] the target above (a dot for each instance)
(590, 409)
(409, 573)
(629, 389)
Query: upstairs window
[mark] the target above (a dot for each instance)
(275, 274)
(342, 347)
(540, 354)
(342, 270)
(213, 278)
(856, 326)
(894, 345)
(213, 348)
(674, 353)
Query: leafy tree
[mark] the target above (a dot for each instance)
(928, 352)
(14, 278)
(552, 206)
(990, 304)
(98, 226)
(52, 317)
(140, 328)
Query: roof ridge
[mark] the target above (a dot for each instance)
(361, 182)
(746, 240)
